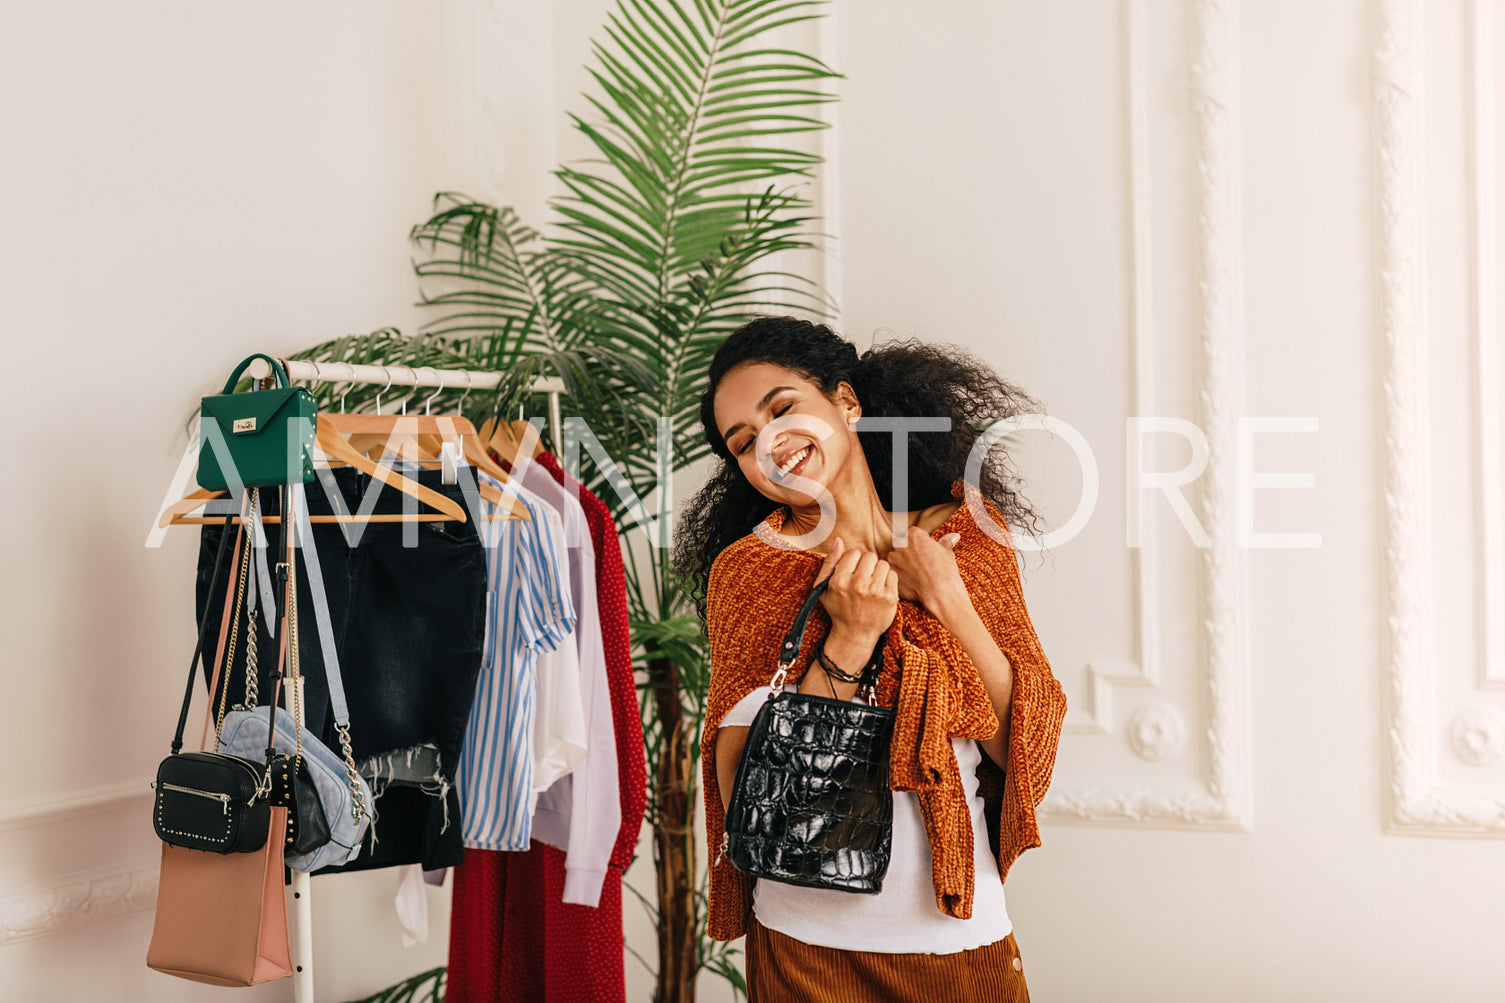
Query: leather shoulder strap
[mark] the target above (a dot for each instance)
(198, 649)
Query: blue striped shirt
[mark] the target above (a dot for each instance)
(528, 611)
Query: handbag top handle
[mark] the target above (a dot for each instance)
(277, 369)
(795, 639)
(796, 636)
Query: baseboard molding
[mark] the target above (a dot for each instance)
(26, 914)
(75, 805)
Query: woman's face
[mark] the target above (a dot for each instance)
(789, 439)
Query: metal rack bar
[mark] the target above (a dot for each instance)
(418, 376)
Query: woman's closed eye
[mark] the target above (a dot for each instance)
(747, 442)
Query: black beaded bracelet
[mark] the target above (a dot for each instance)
(831, 668)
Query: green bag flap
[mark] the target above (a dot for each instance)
(260, 405)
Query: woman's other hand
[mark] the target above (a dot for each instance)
(927, 570)
(862, 599)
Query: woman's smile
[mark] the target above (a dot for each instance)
(794, 464)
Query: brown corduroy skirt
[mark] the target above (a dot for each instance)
(781, 969)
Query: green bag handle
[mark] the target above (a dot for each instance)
(277, 369)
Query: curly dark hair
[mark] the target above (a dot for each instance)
(896, 379)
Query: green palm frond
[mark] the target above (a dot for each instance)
(675, 232)
(659, 245)
(425, 987)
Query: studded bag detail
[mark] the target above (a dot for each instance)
(811, 803)
(209, 801)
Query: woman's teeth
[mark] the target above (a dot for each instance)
(793, 461)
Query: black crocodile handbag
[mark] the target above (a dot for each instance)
(811, 803)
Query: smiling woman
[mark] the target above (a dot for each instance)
(900, 379)
(803, 495)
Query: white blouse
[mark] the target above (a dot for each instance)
(903, 918)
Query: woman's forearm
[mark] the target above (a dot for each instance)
(960, 617)
(849, 653)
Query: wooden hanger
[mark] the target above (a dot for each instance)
(509, 441)
(423, 430)
(331, 440)
(497, 435)
(528, 436)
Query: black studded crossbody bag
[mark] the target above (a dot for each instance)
(811, 803)
(209, 800)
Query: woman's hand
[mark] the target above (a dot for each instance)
(862, 599)
(927, 570)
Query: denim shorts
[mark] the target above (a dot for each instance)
(408, 608)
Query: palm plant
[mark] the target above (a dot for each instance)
(659, 247)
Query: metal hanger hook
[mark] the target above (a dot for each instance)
(469, 379)
(348, 384)
(430, 399)
(413, 373)
(383, 390)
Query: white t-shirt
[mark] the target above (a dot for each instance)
(903, 918)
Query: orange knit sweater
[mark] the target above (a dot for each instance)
(755, 588)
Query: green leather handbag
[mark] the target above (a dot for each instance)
(263, 437)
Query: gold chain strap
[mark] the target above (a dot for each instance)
(253, 665)
(240, 596)
(295, 681)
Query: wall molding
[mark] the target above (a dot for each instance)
(26, 914)
(1104, 675)
(1224, 799)
(76, 898)
(75, 805)
(1143, 671)
(1416, 803)
(1491, 443)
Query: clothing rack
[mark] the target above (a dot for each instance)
(396, 376)
(418, 376)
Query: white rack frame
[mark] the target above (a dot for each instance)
(416, 376)
(394, 376)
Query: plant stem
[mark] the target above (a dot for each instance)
(674, 840)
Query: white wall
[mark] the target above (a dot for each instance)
(1221, 215)
(988, 196)
(182, 184)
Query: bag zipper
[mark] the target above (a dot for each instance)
(262, 785)
(223, 799)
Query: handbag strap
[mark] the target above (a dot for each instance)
(259, 587)
(287, 593)
(198, 649)
(323, 626)
(224, 655)
(277, 369)
(795, 639)
(284, 632)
